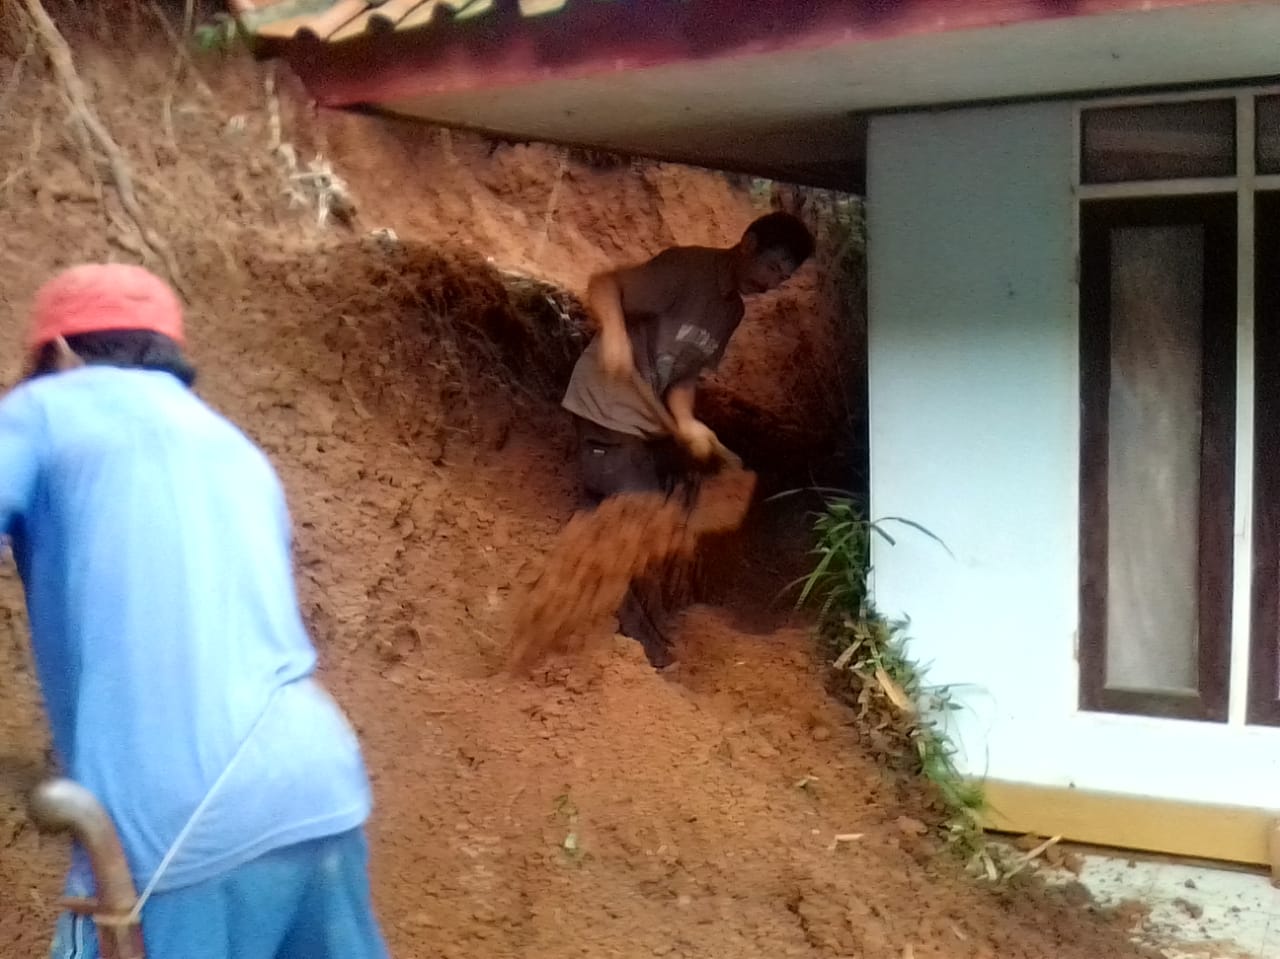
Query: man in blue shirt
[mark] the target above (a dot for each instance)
(153, 542)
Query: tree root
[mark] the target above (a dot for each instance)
(77, 97)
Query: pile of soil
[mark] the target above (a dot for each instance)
(598, 809)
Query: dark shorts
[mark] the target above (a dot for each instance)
(611, 463)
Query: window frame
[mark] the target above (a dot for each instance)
(1217, 214)
(1248, 655)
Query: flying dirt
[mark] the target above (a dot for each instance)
(601, 552)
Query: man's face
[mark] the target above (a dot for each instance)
(765, 270)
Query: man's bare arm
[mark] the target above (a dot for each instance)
(680, 401)
(699, 438)
(604, 297)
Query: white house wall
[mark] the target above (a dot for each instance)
(974, 412)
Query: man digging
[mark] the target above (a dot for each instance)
(152, 538)
(633, 391)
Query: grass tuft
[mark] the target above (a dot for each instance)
(871, 670)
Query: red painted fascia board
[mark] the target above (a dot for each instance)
(591, 37)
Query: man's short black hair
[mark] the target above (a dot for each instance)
(130, 349)
(782, 231)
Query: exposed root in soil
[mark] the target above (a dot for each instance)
(82, 112)
(601, 552)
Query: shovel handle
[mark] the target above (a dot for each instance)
(61, 805)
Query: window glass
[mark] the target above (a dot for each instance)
(1162, 141)
(1268, 116)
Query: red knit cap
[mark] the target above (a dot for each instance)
(97, 297)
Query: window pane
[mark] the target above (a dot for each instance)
(1157, 305)
(1264, 658)
(1268, 114)
(1162, 141)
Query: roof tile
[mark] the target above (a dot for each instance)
(323, 23)
(335, 21)
(388, 15)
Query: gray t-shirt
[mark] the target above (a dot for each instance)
(681, 307)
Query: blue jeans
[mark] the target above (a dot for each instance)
(308, 901)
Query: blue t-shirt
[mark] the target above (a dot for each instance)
(153, 542)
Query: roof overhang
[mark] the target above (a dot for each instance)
(774, 89)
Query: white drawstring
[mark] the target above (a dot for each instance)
(135, 914)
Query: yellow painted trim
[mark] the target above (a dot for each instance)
(1223, 833)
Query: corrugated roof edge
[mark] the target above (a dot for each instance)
(255, 15)
(336, 21)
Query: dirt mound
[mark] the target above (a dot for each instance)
(601, 551)
(600, 810)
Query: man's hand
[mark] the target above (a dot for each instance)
(693, 434)
(699, 439)
(616, 358)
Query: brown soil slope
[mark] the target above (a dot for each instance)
(598, 809)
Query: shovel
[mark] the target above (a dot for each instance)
(722, 502)
(60, 805)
